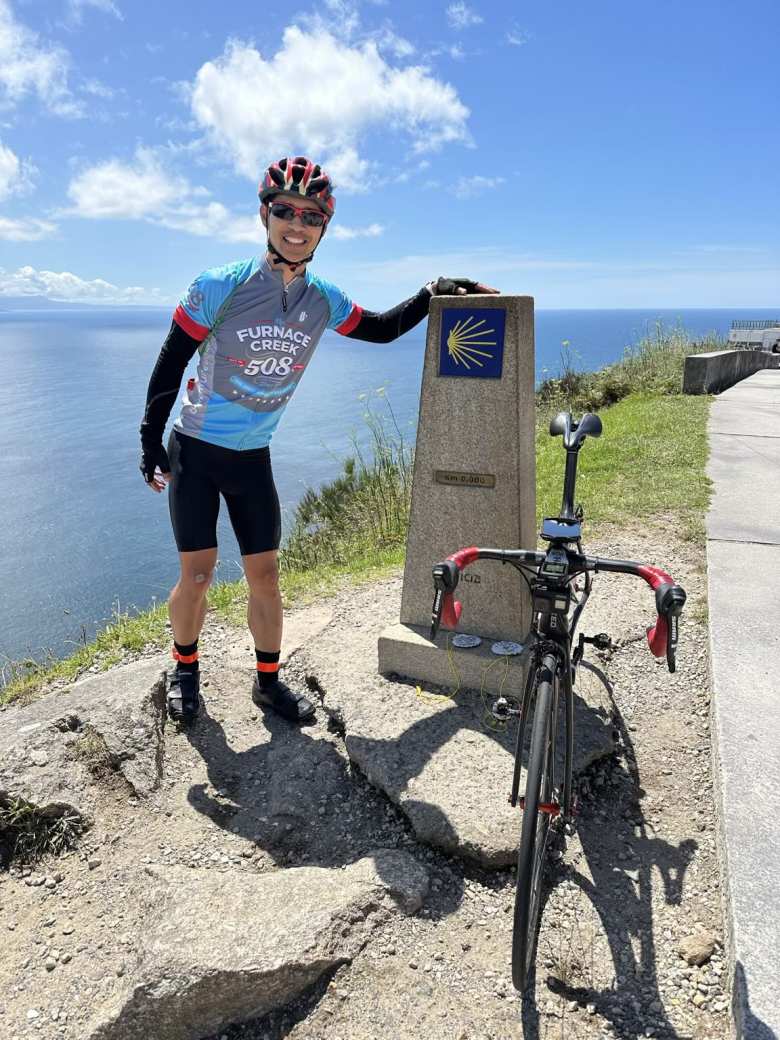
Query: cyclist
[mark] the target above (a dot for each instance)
(256, 324)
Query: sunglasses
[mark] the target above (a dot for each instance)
(309, 217)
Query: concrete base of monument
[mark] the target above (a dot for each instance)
(406, 651)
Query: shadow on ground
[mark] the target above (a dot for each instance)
(300, 802)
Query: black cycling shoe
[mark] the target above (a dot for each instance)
(183, 695)
(295, 707)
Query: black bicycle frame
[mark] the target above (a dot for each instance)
(550, 661)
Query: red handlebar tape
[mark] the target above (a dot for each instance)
(463, 557)
(654, 576)
(657, 637)
(451, 609)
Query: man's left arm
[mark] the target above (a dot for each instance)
(385, 326)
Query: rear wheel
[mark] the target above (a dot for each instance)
(533, 836)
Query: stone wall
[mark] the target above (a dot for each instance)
(712, 373)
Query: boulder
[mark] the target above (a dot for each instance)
(51, 749)
(443, 760)
(217, 949)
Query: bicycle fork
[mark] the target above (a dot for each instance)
(555, 668)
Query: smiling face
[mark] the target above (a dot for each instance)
(292, 238)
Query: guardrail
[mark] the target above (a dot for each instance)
(764, 323)
(717, 371)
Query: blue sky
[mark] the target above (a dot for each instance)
(600, 155)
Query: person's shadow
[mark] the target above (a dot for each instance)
(294, 797)
(299, 802)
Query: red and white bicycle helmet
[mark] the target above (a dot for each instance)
(299, 176)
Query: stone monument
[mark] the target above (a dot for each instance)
(474, 484)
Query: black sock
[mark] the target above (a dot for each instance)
(188, 651)
(267, 667)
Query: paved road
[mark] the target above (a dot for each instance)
(743, 560)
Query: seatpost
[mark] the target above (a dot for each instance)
(569, 484)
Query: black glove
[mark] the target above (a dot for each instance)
(450, 287)
(153, 455)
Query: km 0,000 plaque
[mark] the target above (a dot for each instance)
(447, 476)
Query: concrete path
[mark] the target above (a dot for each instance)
(743, 561)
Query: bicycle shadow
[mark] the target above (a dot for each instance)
(272, 794)
(623, 902)
(395, 764)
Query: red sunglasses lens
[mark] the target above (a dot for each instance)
(309, 217)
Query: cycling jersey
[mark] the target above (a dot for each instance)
(257, 336)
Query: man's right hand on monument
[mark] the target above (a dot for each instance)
(457, 287)
(154, 456)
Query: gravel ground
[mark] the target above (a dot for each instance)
(637, 880)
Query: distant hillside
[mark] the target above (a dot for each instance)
(43, 303)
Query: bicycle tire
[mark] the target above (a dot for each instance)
(533, 836)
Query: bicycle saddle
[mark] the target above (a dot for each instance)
(574, 432)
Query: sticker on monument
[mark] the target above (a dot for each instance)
(472, 342)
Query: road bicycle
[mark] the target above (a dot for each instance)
(559, 582)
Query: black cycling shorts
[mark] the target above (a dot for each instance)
(200, 473)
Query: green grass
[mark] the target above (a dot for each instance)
(126, 633)
(648, 463)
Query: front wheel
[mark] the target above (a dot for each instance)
(533, 836)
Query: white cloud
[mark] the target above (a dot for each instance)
(461, 16)
(145, 190)
(371, 231)
(345, 14)
(348, 171)
(347, 92)
(15, 175)
(29, 67)
(117, 189)
(98, 89)
(64, 286)
(215, 221)
(562, 282)
(489, 264)
(25, 229)
(517, 37)
(76, 9)
(468, 187)
(388, 40)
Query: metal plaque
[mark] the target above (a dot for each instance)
(454, 479)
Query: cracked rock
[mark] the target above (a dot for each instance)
(226, 949)
(49, 749)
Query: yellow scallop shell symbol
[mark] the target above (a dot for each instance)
(465, 340)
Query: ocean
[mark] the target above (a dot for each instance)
(82, 536)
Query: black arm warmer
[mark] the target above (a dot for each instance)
(177, 351)
(385, 327)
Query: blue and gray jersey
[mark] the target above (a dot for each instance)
(256, 338)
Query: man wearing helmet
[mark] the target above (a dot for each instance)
(256, 324)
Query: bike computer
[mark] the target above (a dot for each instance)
(556, 564)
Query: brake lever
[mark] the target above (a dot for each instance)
(445, 579)
(438, 601)
(672, 625)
